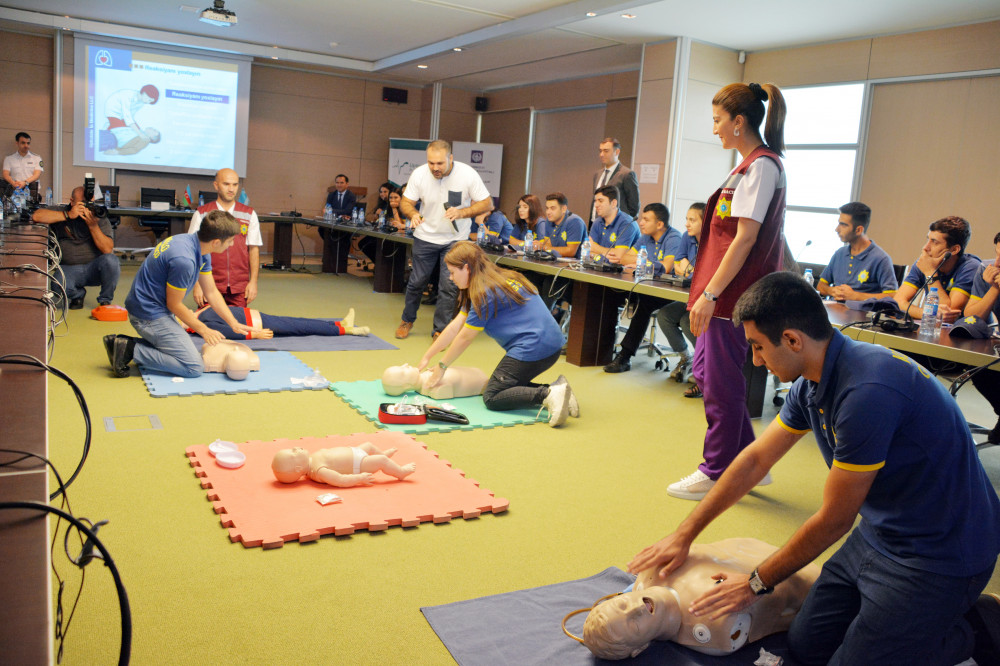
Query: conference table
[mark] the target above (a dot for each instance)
(26, 613)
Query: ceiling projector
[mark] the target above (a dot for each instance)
(218, 15)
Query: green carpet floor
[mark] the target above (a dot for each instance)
(582, 498)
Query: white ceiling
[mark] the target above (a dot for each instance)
(505, 42)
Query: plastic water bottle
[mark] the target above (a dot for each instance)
(107, 199)
(328, 212)
(529, 242)
(641, 264)
(19, 197)
(201, 200)
(48, 196)
(585, 250)
(929, 322)
(808, 275)
(409, 226)
(481, 234)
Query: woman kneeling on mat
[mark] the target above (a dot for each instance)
(507, 306)
(265, 326)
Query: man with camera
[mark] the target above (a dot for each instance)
(88, 258)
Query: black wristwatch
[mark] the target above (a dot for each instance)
(709, 296)
(757, 586)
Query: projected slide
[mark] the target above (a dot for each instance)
(148, 109)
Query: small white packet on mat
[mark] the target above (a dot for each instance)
(328, 498)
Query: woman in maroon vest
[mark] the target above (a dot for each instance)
(740, 243)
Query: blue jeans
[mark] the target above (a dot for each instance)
(102, 271)
(425, 257)
(868, 609)
(166, 347)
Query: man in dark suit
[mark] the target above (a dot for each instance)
(340, 198)
(617, 174)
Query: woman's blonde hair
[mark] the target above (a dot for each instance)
(485, 277)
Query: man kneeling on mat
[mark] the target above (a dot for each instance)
(341, 466)
(266, 326)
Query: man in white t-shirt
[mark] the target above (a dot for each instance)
(23, 167)
(451, 194)
(236, 270)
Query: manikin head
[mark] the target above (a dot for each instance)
(290, 465)
(398, 379)
(625, 625)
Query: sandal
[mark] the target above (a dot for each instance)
(693, 392)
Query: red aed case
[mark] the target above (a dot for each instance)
(109, 313)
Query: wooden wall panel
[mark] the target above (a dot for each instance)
(565, 156)
(826, 63)
(962, 49)
(619, 122)
(913, 176)
(509, 128)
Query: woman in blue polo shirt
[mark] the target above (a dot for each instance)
(529, 216)
(507, 306)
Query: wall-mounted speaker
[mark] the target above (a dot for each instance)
(394, 95)
(482, 104)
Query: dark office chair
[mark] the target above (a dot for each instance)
(158, 225)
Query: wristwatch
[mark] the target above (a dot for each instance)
(757, 586)
(709, 296)
(442, 365)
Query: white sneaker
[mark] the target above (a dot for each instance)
(574, 406)
(557, 403)
(693, 487)
(766, 481)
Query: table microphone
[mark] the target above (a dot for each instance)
(802, 249)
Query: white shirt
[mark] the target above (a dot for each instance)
(22, 168)
(123, 104)
(753, 193)
(253, 224)
(461, 188)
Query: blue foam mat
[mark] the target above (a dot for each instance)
(277, 368)
(366, 396)
(525, 627)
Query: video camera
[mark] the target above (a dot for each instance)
(89, 187)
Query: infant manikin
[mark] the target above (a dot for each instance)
(458, 382)
(657, 609)
(233, 358)
(341, 466)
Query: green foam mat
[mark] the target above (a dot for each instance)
(365, 397)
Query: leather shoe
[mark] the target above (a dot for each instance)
(121, 355)
(994, 436)
(620, 364)
(403, 331)
(76, 303)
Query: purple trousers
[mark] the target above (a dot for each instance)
(719, 354)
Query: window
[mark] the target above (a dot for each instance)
(822, 130)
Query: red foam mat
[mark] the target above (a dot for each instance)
(260, 511)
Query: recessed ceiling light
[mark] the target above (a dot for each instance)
(591, 14)
(628, 16)
(274, 57)
(457, 49)
(421, 66)
(333, 45)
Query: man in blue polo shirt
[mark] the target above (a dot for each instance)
(985, 304)
(904, 587)
(497, 226)
(157, 296)
(662, 243)
(861, 269)
(953, 276)
(568, 229)
(612, 228)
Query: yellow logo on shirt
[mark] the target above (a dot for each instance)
(563, 235)
(613, 236)
(162, 247)
(863, 277)
(244, 228)
(722, 210)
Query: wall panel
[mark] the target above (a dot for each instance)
(565, 156)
